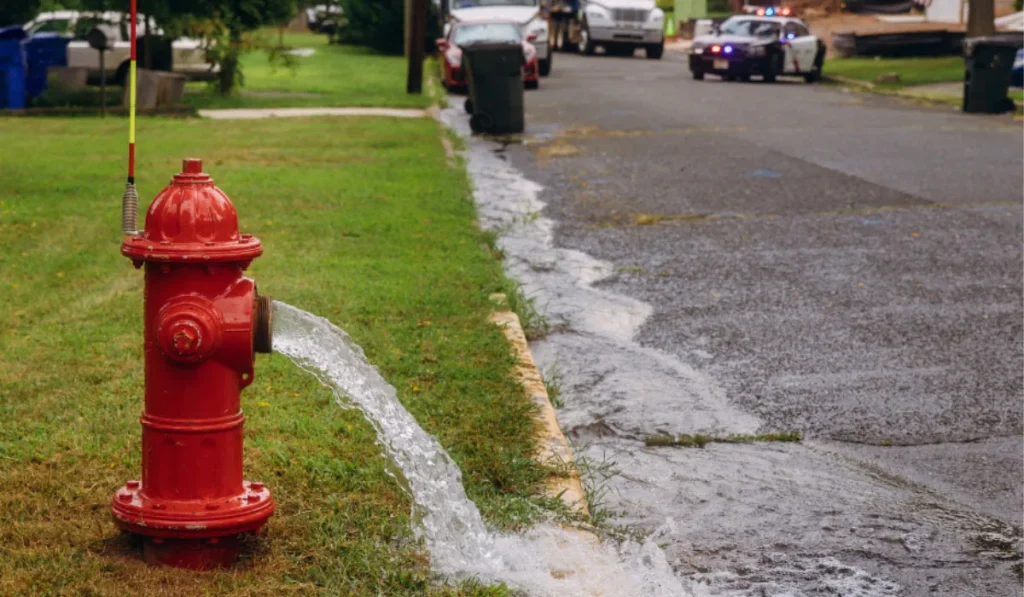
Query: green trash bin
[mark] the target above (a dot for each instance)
(495, 87)
(988, 63)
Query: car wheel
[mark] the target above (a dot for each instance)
(655, 52)
(566, 43)
(586, 44)
(815, 75)
(544, 66)
(774, 68)
(698, 75)
(531, 84)
(480, 123)
(468, 105)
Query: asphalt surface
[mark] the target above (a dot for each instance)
(739, 258)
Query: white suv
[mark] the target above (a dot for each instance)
(188, 55)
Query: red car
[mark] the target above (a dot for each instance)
(462, 34)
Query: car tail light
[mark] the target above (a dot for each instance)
(716, 49)
(454, 56)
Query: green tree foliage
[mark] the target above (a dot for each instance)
(225, 23)
(17, 12)
(380, 25)
(377, 24)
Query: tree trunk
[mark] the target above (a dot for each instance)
(149, 47)
(229, 65)
(981, 17)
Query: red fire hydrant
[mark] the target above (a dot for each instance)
(204, 321)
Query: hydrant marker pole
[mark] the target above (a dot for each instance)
(130, 200)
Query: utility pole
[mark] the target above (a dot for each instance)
(981, 18)
(417, 20)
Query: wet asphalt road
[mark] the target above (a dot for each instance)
(841, 265)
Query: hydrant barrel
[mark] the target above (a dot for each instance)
(203, 321)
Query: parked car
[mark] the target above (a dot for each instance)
(463, 34)
(745, 46)
(533, 25)
(325, 18)
(187, 55)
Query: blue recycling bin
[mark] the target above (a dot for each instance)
(42, 51)
(1017, 74)
(12, 68)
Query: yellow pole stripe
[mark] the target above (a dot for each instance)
(131, 105)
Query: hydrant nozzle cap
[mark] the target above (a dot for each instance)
(191, 166)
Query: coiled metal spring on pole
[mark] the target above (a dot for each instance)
(130, 210)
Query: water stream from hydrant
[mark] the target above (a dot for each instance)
(545, 561)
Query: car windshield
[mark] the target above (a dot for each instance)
(51, 26)
(456, 4)
(750, 28)
(468, 34)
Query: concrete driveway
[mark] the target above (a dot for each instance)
(742, 258)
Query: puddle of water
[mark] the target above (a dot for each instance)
(546, 561)
(615, 392)
(599, 359)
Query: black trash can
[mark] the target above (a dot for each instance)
(495, 87)
(988, 63)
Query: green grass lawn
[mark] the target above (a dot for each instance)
(363, 222)
(912, 71)
(333, 76)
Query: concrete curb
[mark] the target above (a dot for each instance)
(552, 447)
(902, 93)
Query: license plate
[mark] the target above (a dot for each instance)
(721, 65)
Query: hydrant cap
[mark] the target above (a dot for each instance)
(192, 220)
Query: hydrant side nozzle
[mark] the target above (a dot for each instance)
(263, 325)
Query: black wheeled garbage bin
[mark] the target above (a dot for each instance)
(988, 63)
(495, 87)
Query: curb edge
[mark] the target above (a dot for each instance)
(552, 447)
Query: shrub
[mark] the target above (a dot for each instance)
(380, 25)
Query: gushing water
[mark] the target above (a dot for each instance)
(546, 561)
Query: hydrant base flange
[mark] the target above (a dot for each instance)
(140, 514)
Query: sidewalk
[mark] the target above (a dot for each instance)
(951, 93)
(255, 113)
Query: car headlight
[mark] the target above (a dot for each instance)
(537, 26)
(657, 16)
(598, 13)
(756, 51)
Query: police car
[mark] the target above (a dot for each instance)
(765, 46)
